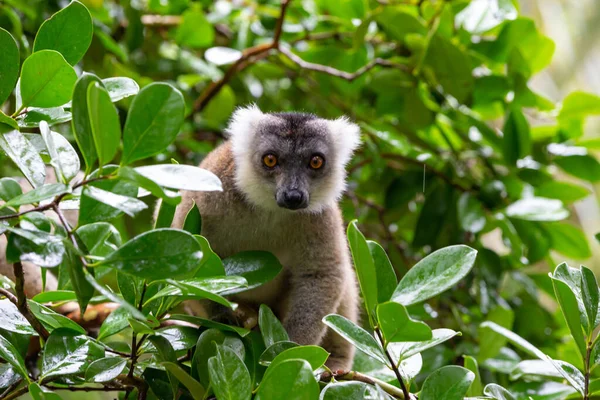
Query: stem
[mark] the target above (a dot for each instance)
(588, 356)
(16, 394)
(405, 391)
(357, 376)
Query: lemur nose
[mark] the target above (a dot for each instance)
(294, 199)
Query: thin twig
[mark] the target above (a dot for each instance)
(357, 376)
(17, 393)
(349, 76)
(393, 363)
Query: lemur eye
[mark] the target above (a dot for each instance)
(270, 160)
(316, 162)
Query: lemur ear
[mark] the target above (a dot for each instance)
(242, 126)
(346, 136)
(243, 121)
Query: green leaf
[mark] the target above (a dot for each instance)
(498, 392)
(158, 254)
(291, 379)
(182, 177)
(112, 297)
(23, 154)
(537, 209)
(164, 215)
(406, 350)
(172, 198)
(578, 105)
(314, 355)
(41, 193)
(105, 369)
(448, 383)
(69, 32)
(12, 320)
(397, 325)
(590, 295)
(201, 288)
(82, 126)
(34, 116)
(386, 276)
(193, 220)
(205, 349)
(569, 240)
(563, 191)
(39, 393)
(9, 68)
(491, 342)
(195, 388)
(99, 238)
(435, 274)
(9, 188)
(569, 306)
(68, 353)
(273, 351)
(581, 166)
(37, 247)
(129, 205)
(53, 320)
(210, 324)
(482, 15)
(63, 156)
(349, 391)
(355, 335)
(365, 269)
(83, 288)
(229, 376)
(11, 355)
(515, 339)
(476, 389)
(153, 121)
(114, 323)
(470, 213)
(194, 30)
(6, 120)
(47, 80)
(92, 210)
(517, 138)
(271, 329)
(104, 123)
(54, 296)
(120, 87)
(257, 267)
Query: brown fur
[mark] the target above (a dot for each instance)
(318, 278)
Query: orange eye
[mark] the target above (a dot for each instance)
(316, 162)
(270, 160)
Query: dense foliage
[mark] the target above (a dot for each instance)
(456, 180)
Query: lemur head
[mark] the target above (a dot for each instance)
(293, 161)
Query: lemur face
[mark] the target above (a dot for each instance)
(291, 161)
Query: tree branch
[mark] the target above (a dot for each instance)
(241, 64)
(21, 301)
(357, 376)
(349, 76)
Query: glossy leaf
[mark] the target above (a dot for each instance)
(537, 209)
(52, 320)
(153, 122)
(569, 240)
(104, 123)
(517, 138)
(120, 87)
(449, 383)
(355, 335)
(9, 188)
(158, 254)
(195, 388)
(9, 70)
(105, 369)
(142, 181)
(12, 320)
(68, 353)
(386, 276)
(63, 156)
(271, 329)
(314, 355)
(82, 126)
(581, 166)
(34, 117)
(182, 177)
(435, 274)
(406, 350)
(23, 154)
(206, 349)
(397, 325)
(39, 194)
(229, 376)
(11, 355)
(348, 391)
(210, 324)
(69, 32)
(129, 205)
(47, 80)
(365, 269)
(257, 267)
(291, 379)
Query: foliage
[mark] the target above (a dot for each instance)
(457, 148)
